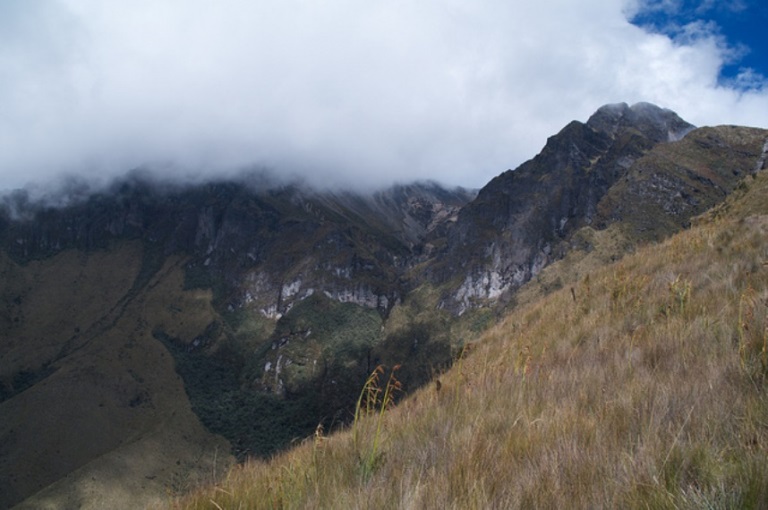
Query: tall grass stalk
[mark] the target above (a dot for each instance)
(374, 401)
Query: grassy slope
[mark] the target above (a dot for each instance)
(644, 387)
(111, 421)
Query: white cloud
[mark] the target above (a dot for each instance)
(341, 91)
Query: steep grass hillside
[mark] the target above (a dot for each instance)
(112, 422)
(640, 384)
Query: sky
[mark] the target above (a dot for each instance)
(352, 93)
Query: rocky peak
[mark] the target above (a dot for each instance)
(523, 219)
(655, 123)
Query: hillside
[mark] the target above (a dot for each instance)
(638, 384)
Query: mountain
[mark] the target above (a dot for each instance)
(164, 330)
(630, 166)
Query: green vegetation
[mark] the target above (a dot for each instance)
(640, 384)
(318, 355)
(255, 423)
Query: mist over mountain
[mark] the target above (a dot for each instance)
(344, 93)
(175, 325)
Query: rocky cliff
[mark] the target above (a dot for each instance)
(641, 167)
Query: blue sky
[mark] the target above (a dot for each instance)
(742, 25)
(349, 92)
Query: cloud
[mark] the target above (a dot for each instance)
(340, 92)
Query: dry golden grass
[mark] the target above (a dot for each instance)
(648, 390)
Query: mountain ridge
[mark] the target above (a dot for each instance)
(576, 181)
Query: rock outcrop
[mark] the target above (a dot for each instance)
(641, 166)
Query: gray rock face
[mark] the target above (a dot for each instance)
(268, 247)
(521, 220)
(761, 162)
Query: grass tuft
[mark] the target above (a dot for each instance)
(373, 403)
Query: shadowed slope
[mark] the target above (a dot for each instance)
(89, 394)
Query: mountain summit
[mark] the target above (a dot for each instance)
(657, 124)
(630, 166)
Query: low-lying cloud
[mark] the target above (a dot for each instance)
(340, 92)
